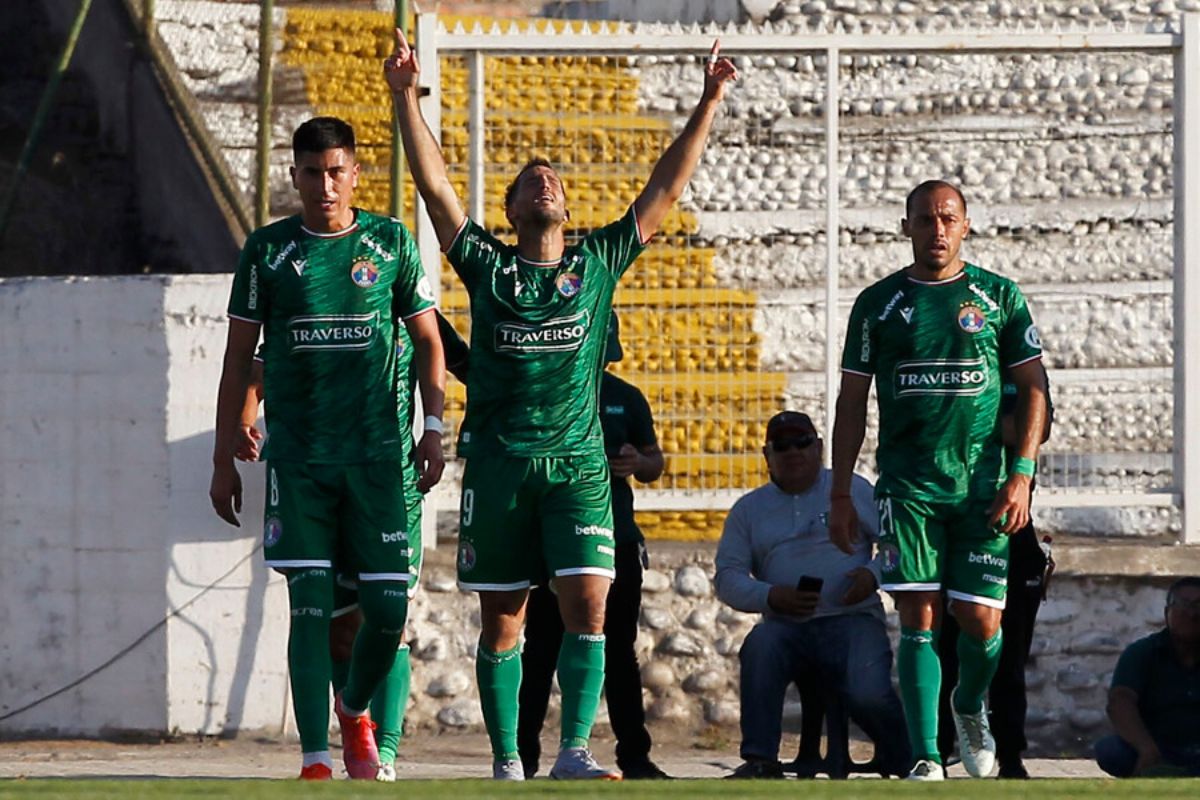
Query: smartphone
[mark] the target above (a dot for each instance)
(808, 583)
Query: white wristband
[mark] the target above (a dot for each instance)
(434, 424)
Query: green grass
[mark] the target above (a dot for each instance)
(469, 789)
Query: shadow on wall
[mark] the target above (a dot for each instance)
(228, 647)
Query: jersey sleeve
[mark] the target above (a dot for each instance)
(1008, 398)
(412, 293)
(247, 301)
(859, 354)
(1019, 339)
(474, 253)
(641, 428)
(1133, 666)
(617, 244)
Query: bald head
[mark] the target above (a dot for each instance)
(930, 186)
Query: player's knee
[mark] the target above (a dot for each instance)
(342, 631)
(582, 614)
(976, 620)
(384, 606)
(582, 600)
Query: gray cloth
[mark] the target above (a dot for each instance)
(772, 538)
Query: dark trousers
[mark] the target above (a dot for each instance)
(1007, 703)
(1118, 758)
(622, 676)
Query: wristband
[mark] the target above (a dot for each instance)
(1024, 466)
(434, 425)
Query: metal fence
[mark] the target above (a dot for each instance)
(795, 207)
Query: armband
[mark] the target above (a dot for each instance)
(1023, 466)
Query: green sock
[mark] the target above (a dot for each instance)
(388, 705)
(920, 675)
(384, 605)
(310, 595)
(499, 679)
(341, 674)
(977, 662)
(581, 677)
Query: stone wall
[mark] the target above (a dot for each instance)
(1100, 601)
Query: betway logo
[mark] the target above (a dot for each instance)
(332, 332)
(988, 560)
(593, 530)
(564, 333)
(396, 536)
(951, 376)
(887, 310)
(375, 247)
(274, 263)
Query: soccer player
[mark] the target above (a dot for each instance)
(325, 287)
(536, 501)
(632, 448)
(937, 334)
(390, 700)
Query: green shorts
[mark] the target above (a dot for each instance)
(345, 588)
(525, 519)
(353, 514)
(927, 546)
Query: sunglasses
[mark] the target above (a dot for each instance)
(801, 442)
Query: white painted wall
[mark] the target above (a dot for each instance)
(106, 403)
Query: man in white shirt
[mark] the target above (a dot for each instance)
(822, 617)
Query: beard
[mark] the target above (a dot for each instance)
(543, 217)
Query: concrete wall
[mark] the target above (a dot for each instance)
(105, 416)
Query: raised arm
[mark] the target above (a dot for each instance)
(674, 169)
(425, 160)
(849, 428)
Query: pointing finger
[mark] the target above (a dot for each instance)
(715, 53)
(401, 43)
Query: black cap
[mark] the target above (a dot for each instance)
(789, 422)
(613, 351)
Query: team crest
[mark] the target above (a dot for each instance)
(364, 273)
(971, 318)
(568, 284)
(272, 532)
(466, 556)
(1032, 337)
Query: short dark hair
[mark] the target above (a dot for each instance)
(929, 186)
(536, 161)
(320, 134)
(1186, 582)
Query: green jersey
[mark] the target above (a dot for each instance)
(937, 351)
(538, 335)
(329, 305)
